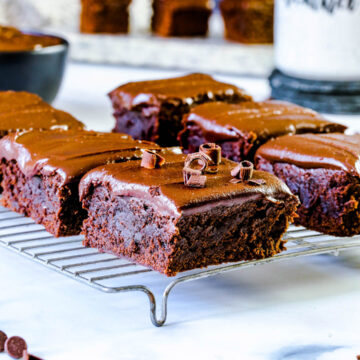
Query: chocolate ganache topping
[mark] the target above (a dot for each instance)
(25, 111)
(68, 153)
(20, 100)
(130, 179)
(331, 151)
(221, 121)
(185, 88)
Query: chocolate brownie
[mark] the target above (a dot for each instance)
(152, 110)
(181, 17)
(323, 170)
(248, 21)
(104, 16)
(25, 111)
(42, 169)
(240, 129)
(151, 217)
(12, 39)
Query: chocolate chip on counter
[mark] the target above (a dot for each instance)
(15, 346)
(3, 338)
(152, 160)
(27, 356)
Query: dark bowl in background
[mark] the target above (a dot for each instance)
(39, 71)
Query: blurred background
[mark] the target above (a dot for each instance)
(315, 60)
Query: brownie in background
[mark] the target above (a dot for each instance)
(42, 169)
(241, 128)
(248, 21)
(153, 110)
(104, 16)
(151, 217)
(323, 170)
(181, 17)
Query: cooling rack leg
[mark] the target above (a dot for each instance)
(158, 322)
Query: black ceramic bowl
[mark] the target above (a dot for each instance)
(39, 71)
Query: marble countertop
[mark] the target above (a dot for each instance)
(306, 309)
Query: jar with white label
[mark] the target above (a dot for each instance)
(318, 39)
(317, 48)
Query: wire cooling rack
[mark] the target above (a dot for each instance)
(111, 274)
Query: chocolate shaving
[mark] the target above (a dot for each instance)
(235, 181)
(257, 182)
(194, 178)
(200, 159)
(213, 152)
(152, 160)
(243, 171)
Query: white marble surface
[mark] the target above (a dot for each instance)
(307, 309)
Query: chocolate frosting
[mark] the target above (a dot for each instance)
(26, 111)
(68, 153)
(221, 121)
(330, 151)
(165, 188)
(19, 100)
(11, 39)
(185, 88)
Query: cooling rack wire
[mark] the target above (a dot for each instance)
(111, 274)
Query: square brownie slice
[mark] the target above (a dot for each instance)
(153, 110)
(241, 128)
(20, 110)
(151, 217)
(181, 17)
(323, 170)
(26, 111)
(104, 16)
(248, 21)
(42, 169)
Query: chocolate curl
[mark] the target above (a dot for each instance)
(200, 159)
(194, 178)
(244, 171)
(152, 160)
(213, 152)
